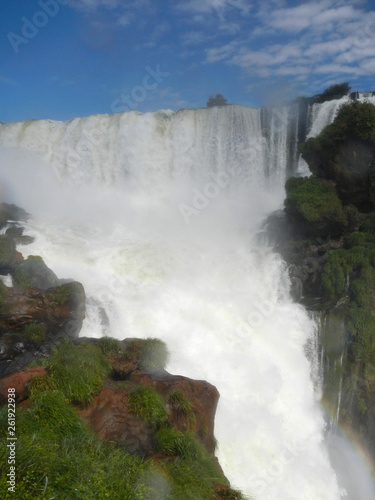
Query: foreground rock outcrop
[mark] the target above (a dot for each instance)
(160, 423)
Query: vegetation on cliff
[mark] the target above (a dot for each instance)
(335, 91)
(58, 455)
(353, 120)
(341, 251)
(344, 153)
(316, 204)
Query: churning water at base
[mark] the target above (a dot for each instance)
(159, 218)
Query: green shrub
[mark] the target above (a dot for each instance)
(314, 200)
(35, 332)
(335, 91)
(356, 262)
(148, 404)
(78, 371)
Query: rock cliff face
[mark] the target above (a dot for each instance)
(327, 234)
(105, 397)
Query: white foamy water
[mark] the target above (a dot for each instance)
(158, 215)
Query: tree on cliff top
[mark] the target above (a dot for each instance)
(218, 100)
(335, 91)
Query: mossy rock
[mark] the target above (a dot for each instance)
(33, 272)
(8, 254)
(66, 293)
(315, 206)
(11, 213)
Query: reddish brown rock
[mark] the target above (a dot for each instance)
(110, 417)
(54, 307)
(202, 396)
(58, 311)
(19, 381)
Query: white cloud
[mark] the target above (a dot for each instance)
(221, 53)
(213, 5)
(328, 37)
(123, 12)
(323, 16)
(195, 38)
(91, 5)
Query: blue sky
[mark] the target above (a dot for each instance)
(66, 58)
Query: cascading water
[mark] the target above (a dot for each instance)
(157, 215)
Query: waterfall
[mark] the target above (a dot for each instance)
(157, 215)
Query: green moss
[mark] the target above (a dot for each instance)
(148, 404)
(35, 332)
(314, 200)
(78, 371)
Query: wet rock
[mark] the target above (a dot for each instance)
(19, 381)
(110, 417)
(8, 255)
(33, 272)
(11, 213)
(32, 321)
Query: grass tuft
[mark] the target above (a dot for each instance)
(153, 355)
(148, 404)
(78, 371)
